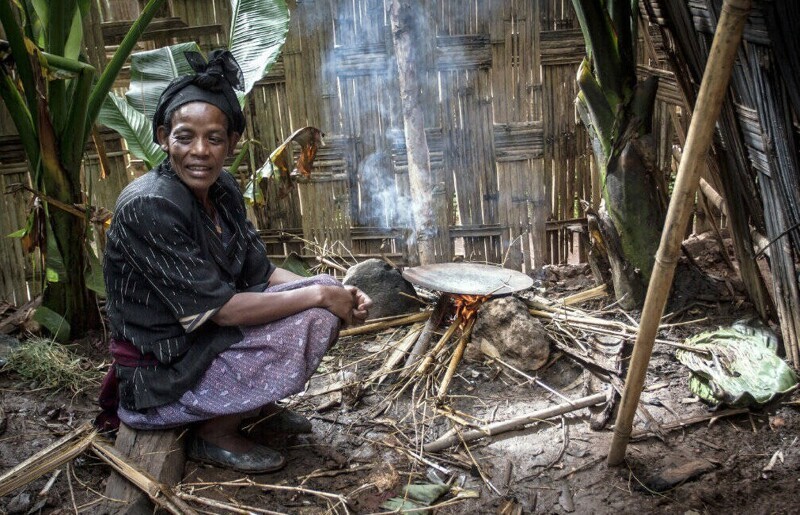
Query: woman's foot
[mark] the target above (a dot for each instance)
(258, 459)
(218, 442)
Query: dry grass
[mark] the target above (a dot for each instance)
(53, 366)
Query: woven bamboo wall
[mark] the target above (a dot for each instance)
(507, 169)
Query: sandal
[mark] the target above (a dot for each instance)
(258, 460)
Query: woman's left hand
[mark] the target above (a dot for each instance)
(361, 304)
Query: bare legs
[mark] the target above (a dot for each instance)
(224, 433)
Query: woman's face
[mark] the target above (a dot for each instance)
(197, 145)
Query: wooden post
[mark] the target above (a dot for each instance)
(160, 453)
(406, 44)
(701, 130)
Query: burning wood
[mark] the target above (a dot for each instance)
(467, 307)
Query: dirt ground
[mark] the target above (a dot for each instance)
(364, 455)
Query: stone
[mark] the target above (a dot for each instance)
(504, 328)
(7, 346)
(21, 503)
(384, 284)
(675, 475)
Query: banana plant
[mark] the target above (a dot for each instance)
(54, 97)
(616, 110)
(258, 32)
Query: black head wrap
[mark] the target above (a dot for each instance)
(213, 83)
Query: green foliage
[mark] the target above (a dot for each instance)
(52, 366)
(258, 31)
(607, 76)
(132, 125)
(94, 275)
(616, 111)
(152, 71)
(53, 98)
(53, 322)
(294, 263)
(737, 366)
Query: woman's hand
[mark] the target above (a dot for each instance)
(348, 303)
(362, 304)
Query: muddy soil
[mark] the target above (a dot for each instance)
(361, 453)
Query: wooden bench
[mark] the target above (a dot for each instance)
(160, 453)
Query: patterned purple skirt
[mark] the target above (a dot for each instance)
(271, 362)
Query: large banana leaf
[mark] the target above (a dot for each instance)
(152, 71)
(258, 31)
(133, 126)
(737, 366)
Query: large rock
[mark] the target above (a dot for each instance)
(384, 284)
(506, 329)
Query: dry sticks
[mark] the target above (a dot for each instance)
(59, 452)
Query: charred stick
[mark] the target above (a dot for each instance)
(423, 367)
(690, 421)
(437, 315)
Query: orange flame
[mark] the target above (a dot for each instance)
(467, 306)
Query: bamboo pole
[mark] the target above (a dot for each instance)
(421, 345)
(701, 130)
(455, 360)
(385, 324)
(452, 438)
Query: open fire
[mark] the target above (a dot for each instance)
(467, 307)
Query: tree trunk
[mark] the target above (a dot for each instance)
(69, 297)
(405, 36)
(634, 200)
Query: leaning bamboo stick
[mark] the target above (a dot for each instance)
(455, 360)
(48, 459)
(160, 494)
(590, 294)
(701, 130)
(398, 353)
(512, 424)
(759, 240)
(380, 326)
(423, 367)
(331, 264)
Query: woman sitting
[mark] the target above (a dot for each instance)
(205, 330)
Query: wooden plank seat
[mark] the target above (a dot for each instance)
(161, 453)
